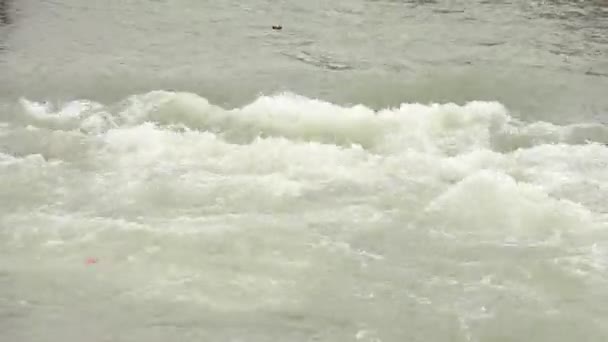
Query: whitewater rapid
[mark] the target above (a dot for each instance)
(298, 217)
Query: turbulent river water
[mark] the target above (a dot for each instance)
(374, 171)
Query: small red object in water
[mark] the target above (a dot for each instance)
(91, 261)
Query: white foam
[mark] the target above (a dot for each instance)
(492, 201)
(64, 116)
(284, 203)
(302, 145)
(434, 128)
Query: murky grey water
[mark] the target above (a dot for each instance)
(375, 171)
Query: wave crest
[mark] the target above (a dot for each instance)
(434, 128)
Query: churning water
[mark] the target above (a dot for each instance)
(376, 171)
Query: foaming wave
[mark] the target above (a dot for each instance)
(524, 135)
(465, 179)
(493, 201)
(435, 128)
(80, 114)
(290, 116)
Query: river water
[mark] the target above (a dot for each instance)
(375, 171)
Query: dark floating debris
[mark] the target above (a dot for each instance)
(277, 27)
